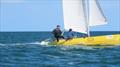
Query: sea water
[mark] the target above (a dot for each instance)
(24, 49)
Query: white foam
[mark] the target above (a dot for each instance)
(44, 42)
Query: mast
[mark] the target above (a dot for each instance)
(86, 9)
(88, 27)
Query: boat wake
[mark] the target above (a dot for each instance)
(19, 44)
(42, 43)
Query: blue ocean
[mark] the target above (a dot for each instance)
(24, 49)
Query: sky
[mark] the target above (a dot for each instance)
(44, 15)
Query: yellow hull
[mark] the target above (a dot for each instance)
(91, 41)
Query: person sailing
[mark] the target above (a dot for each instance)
(58, 33)
(70, 34)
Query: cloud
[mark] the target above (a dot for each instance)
(12, 1)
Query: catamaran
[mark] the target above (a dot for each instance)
(80, 15)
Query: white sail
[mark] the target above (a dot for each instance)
(73, 13)
(96, 16)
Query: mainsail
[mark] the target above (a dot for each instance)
(74, 17)
(77, 18)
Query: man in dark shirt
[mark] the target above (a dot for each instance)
(57, 33)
